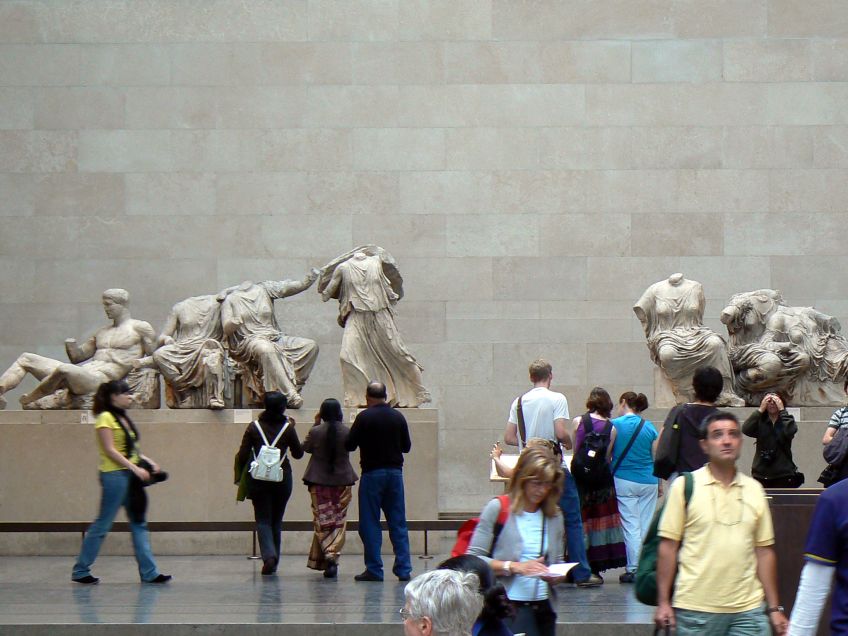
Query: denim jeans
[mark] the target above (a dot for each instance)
(269, 504)
(569, 503)
(382, 489)
(751, 623)
(115, 486)
(636, 505)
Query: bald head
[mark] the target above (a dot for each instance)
(375, 393)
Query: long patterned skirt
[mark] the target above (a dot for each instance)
(605, 548)
(329, 518)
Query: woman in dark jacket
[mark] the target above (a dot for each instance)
(329, 477)
(773, 428)
(270, 497)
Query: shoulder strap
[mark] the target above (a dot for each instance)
(522, 427)
(688, 487)
(280, 434)
(500, 522)
(629, 445)
(586, 420)
(261, 433)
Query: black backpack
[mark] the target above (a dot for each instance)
(589, 466)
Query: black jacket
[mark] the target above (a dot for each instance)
(773, 441)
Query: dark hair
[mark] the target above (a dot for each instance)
(637, 402)
(103, 404)
(599, 401)
(331, 412)
(376, 390)
(275, 407)
(707, 383)
(715, 417)
(496, 605)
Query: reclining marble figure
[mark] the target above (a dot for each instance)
(107, 355)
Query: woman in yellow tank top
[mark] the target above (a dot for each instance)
(119, 459)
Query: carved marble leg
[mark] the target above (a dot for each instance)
(34, 364)
(78, 380)
(214, 379)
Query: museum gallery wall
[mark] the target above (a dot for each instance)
(531, 168)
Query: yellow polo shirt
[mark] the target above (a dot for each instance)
(107, 464)
(717, 564)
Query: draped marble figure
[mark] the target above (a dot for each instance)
(107, 355)
(270, 360)
(672, 313)
(191, 355)
(367, 284)
(773, 347)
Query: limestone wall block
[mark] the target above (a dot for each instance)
(696, 147)
(19, 22)
(720, 19)
(367, 21)
(259, 193)
(577, 148)
(351, 107)
(125, 65)
(17, 285)
(392, 149)
(221, 151)
(25, 323)
(125, 151)
(677, 61)
(404, 234)
(492, 235)
(677, 234)
(541, 192)
(830, 146)
(513, 359)
(809, 191)
(785, 234)
(578, 234)
(456, 363)
(167, 194)
(612, 329)
(352, 193)
(830, 59)
(481, 410)
(490, 309)
(807, 103)
(621, 277)
(492, 331)
(723, 276)
(801, 276)
(39, 65)
(518, 278)
(79, 194)
(421, 321)
(306, 149)
(232, 271)
(17, 108)
(310, 236)
(490, 62)
(748, 147)
(466, 279)
(617, 363)
(709, 191)
(813, 18)
(18, 194)
(398, 63)
(38, 151)
(79, 108)
(445, 19)
(445, 192)
(632, 190)
(767, 60)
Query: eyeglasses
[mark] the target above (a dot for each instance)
(405, 614)
(538, 483)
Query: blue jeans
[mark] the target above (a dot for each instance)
(382, 489)
(569, 503)
(751, 623)
(115, 487)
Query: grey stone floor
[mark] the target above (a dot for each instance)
(225, 590)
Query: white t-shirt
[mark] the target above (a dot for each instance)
(526, 588)
(541, 407)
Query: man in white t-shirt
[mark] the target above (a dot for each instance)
(545, 414)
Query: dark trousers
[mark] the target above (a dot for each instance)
(382, 489)
(534, 618)
(269, 504)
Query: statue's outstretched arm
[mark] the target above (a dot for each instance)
(80, 352)
(281, 289)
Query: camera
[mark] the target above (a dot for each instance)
(767, 455)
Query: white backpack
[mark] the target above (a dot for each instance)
(268, 464)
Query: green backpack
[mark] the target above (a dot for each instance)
(646, 572)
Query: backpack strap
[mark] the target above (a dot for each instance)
(522, 427)
(503, 517)
(629, 445)
(261, 432)
(688, 487)
(280, 434)
(586, 421)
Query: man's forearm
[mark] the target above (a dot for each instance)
(511, 435)
(767, 573)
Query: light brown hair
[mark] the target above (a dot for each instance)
(540, 370)
(536, 463)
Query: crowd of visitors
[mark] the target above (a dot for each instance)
(579, 501)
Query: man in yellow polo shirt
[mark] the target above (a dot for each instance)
(720, 546)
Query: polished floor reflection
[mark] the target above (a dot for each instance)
(230, 590)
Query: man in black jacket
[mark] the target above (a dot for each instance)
(382, 435)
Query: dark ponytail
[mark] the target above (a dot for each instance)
(331, 412)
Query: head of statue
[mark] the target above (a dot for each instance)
(115, 302)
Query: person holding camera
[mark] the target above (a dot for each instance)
(124, 472)
(773, 428)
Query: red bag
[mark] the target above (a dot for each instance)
(466, 530)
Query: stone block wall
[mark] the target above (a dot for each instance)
(533, 166)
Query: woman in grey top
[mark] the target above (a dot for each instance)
(530, 540)
(329, 477)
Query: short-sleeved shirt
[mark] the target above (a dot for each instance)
(638, 464)
(107, 464)
(839, 419)
(827, 544)
(540, 407)
(720, 529)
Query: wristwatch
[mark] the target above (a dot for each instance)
(776, 608)
(506, 568)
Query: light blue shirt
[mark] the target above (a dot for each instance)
(527, 588)
(638, 464)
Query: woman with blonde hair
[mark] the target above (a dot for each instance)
(529, 541)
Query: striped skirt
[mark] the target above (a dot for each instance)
(605, 548)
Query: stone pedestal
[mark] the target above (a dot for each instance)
(48, 468)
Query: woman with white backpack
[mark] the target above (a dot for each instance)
(265, 447)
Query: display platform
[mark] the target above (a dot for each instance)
(48, 468)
